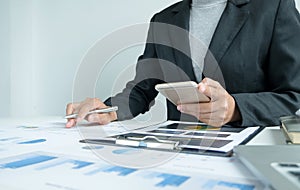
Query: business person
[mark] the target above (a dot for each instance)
(256, 44)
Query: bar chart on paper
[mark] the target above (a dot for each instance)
(44, 170)
(42, 165)
(49, 156)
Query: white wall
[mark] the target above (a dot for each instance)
(4, 59)
(43, 42)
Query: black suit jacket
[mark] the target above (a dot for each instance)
(254, 54)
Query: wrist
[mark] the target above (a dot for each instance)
(236, 115)
(234, 110)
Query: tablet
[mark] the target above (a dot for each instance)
(182, 92)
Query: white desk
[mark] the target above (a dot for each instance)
(268, 136)
(55, 159)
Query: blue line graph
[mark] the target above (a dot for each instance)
(9, 139)
(122, 171)
(27, 161)
(126, 151)
(32, 141)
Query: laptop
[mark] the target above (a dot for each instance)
(278, 166)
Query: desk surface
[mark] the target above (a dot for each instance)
(268, 136)
(40, 153)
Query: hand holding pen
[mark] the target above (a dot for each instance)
(101, 110)
(92, 110)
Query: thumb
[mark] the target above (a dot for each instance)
(204, 89)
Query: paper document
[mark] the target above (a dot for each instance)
(182, 137)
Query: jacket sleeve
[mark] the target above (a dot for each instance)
(138, 95)
(282, 71)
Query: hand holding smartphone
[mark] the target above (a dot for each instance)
(182, 92)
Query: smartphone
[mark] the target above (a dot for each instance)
(182, 92)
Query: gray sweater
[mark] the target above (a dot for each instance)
(204, 17)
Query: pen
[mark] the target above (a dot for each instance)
(103, 110)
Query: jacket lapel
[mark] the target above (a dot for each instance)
(232, 20)
(180, 37)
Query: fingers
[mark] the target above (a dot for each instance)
(69, 110)
(210, 82)
(216, 112)
(204, 113)
(210, 88)
(83, 111)
(99, 118)
(70, 123)
(200, 108)
(84, 107)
